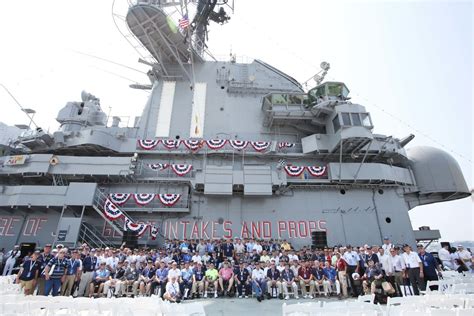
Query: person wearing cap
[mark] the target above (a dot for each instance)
(101, 275)
(172, 292)
(130, 279)
(259, 284)
(288, 279)
(12, 256)
(352, 259)
(115, 280)
(145, 278)
(160, 280)
(226, 277)
(273, 281)
(73, 273)
(187, 280)
(373, 278)
(414, 269)
(431, 268)
(198, 280)
(242, 280)
(43, 260)
(89, 265)
(306, 279)
(55, 273)
(387, 244)
(211, 277)
(28, 274)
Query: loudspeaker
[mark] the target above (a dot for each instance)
(130, 239)
(319, 239)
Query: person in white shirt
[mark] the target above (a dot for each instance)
(196, 258)
(174, 271)
(414, 269)
(293, 256)
(259, 283)
(387, 245)
(172, 293)
(445, 257)
(257, 247)
(352, 259)
(10, 262)
(465, 256)
(396, 276)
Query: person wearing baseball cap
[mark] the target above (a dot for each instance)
(12, 256)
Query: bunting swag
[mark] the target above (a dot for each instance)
(143, 199)
(169, 199)
(140, 229)
(148, 144)
(193, 144)
(216, 143)
(282, 145)
(238, 144)
(294, 171)
(317, 171)
(119, 198)
(111, 211)
(158, 166)
(181, 170)
(260, 146)
(170, 143)
(154, 232)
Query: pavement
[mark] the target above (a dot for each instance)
(250, 306)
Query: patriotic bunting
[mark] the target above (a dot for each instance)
(148, 144)
(181, 170)
(111, 211)
(154, 232)
(317, 171)
(143, 199)
(216, 143)
(294, 171)
(170, 143)
(140, 229)
(119, 198)
(260, 146)
(193, 144)
(282, 145)
(168, 199)
(158, 166)
(238, 144)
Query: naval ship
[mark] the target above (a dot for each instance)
(222, 149)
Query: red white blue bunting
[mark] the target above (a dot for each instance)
(111, 211)
(193, 144)
(282, 145)
(140, 229)
(170, 143)
(317, 171)
(181, 170)
(143, 199)
(216, 143)
(119, 198)
(238, 144)
(154, 232)
(148, 144)
(158, 166)
(260, 146)
(294, 171)
(169, 199)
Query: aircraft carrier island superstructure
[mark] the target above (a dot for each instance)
(222, 149)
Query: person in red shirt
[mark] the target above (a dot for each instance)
(306, 279)
(341, 267)
(226, 276)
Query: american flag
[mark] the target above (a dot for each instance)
(184, 22)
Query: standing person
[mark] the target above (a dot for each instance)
(55, 273)
(28, 274)
(414, 269)
(89, 264)
(445, 257)
(431, 268)
(228, 250)
(259, 284)
(73, 274)
(352, 259)
(387, 245)
(397, 272)
(43, 259)
(11, 258)
(341, 267)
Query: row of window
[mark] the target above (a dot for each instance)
(351, 119)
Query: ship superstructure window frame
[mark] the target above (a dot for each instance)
(348, 119)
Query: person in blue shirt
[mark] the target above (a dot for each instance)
(288, 279)
(318, 274)
(146, 278)
(161, 277)
(28, 273)
(186, 257)
(100, 276)
(431, 268)
(72, 274)
(186, 280)
(55, 273)
(330, 279)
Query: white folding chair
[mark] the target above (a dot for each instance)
(366, 298)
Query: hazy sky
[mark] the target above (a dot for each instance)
(409, 62)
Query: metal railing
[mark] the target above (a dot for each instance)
(87, 234)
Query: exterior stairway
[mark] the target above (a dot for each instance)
(88, 234)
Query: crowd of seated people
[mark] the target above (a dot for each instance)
(189, 269)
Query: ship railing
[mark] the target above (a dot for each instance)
(92, 237)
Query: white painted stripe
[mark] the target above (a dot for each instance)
(199, 110)
(163, 122)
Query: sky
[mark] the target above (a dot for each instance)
(410, 63)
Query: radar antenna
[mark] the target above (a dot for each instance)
(319, 76)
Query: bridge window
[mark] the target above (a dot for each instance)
(366, 120)
(346, 119)
(279, 98)
(356, 119)
(336, 123)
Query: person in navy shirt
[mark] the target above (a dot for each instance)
(28, 273)
(161, 277)
(228, 250)
(431, 268)
(73, 274)
(242, 279)
(55, 273)
(198, 280)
